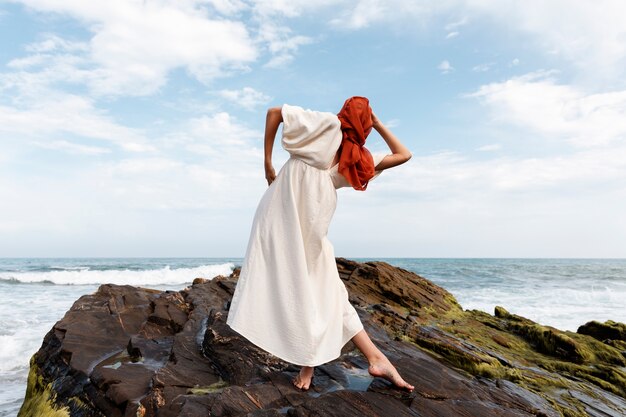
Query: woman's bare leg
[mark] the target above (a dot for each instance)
(379, 364)
(303, 379)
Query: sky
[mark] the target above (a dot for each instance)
(135, 128)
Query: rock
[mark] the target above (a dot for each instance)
(602, 331)
(126, 351)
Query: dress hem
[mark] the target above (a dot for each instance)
(283, 357)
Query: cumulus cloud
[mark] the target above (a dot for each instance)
(483, 67)
(247, 97)
(220, 129)
(292, 8)
(281, 43)
(551, 200)
(228, 7)
(157, 38)
(490, 147)
(445, 67)
(212, 162)
(587, 35)
(53, 43)
(71, 147)
(495, 206)
(456, 24)
(210, 165)
(165, 35)
(202, 174)
(538, 102)
(57, 115)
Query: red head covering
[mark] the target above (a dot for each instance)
(355, 161)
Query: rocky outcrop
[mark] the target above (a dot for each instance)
(127, 351)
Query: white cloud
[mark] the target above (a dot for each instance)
(483, 67)
(281, 43)
(162, 36)
(32, 76)
(454, 176)
(452, 35)
(75, 148)
(292, 8)
(59, 115)
(391, 123)
(502, 206)
(589, 35)
(52, 42)
(228, 7)
(210, 163)
(247, 97)
(548, 202)
(140, 165)
(157, 37)
(445, 67)
(490, 147)
(365, 12)
(195, 194)
(536, 101)
(456, 24)
(221, 129)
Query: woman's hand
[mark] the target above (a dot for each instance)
(400, 153)
(375, 121)
(273, 119)
(270, 175)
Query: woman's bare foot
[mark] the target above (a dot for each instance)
(382, 367)
(303, 379)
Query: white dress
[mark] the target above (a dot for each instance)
(289, 299)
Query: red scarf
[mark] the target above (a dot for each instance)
(355, 161)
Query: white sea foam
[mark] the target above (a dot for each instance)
(27, 313)
(29, 308)
(563, 308)
(149, 277)
(561, 293)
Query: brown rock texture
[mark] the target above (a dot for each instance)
(127, 351)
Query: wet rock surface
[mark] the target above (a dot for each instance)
(127, 351)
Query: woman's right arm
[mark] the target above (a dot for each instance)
(272, 121)
(400, 153)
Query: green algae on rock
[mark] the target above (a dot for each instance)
(40, 398)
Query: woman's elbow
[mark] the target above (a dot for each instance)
(274, 111)
(406, 156)
(275, 114)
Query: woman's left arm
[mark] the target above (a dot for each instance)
(273, 119)
(400, 153)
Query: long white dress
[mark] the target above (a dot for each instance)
(289, 299)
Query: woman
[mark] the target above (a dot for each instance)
(289, 299)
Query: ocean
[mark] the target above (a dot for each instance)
(36, 292)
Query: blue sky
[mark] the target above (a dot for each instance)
(135, 128)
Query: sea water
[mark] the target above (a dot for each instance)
(36, 293)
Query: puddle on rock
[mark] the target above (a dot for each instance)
(120, 358)
(339, 377)
(358, 379)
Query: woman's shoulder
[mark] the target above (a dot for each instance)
(297, 116)
(305, 112)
